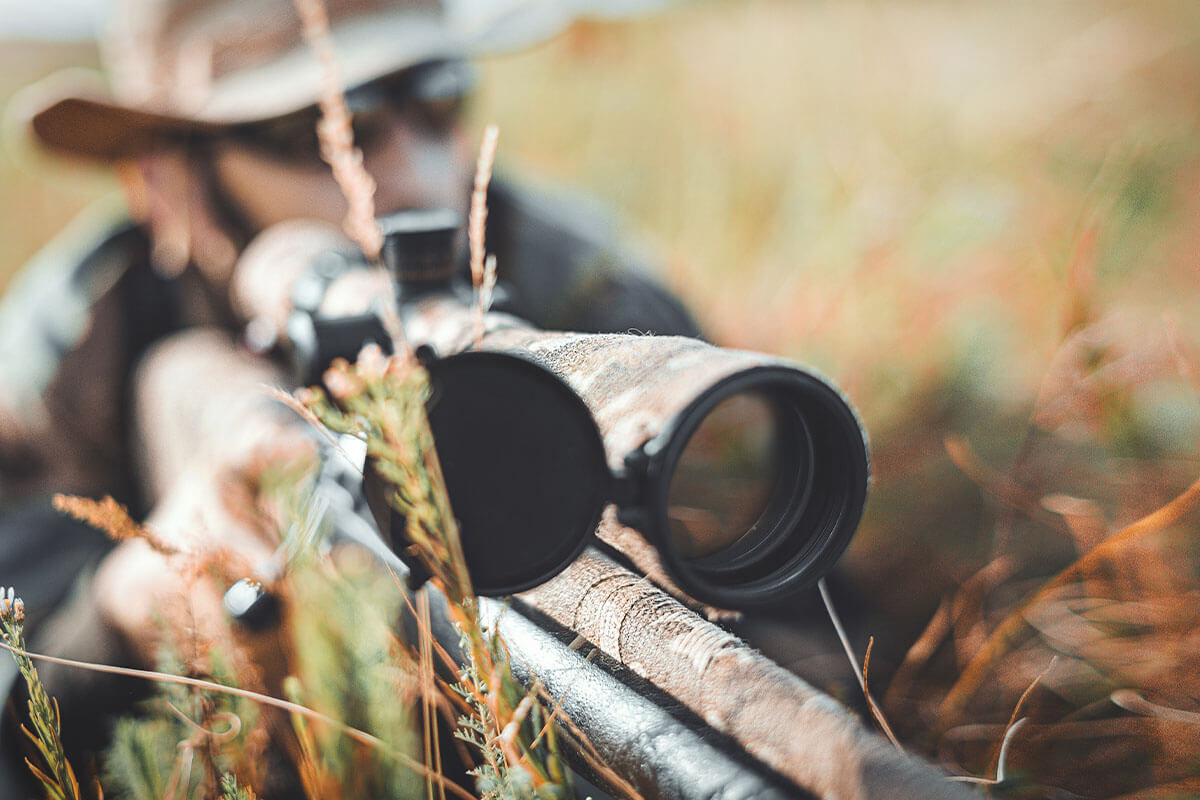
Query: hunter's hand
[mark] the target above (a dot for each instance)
(210, 433)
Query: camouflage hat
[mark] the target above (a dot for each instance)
(180, 66)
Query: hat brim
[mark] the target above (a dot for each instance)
(82, 121)
(106, 131)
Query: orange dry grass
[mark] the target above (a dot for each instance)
(1121, 620)
(111, 517)
(1118, 711)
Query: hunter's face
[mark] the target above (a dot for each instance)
(413, 147)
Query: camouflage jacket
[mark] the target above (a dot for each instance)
(76, 320)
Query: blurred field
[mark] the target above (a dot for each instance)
(983, 219)
(38, 194)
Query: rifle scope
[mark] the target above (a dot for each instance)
(747, 473)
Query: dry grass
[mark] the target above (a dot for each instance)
(980, 218)
(483, 265)
(337, 136)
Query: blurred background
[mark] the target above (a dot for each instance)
(983, 221)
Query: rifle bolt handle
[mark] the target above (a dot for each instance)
(251, 605)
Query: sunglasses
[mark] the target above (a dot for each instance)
(430, 96)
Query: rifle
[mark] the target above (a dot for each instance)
(744, 475)
(675, 704)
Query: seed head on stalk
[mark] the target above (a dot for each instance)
(337, 136)
(483, 266)
(55, 772)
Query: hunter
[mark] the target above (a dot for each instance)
(209, 120)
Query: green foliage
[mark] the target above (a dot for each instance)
(232, 791)
(539, 771)
(349, 665)
(137, 764)
(184, 739)
(54, 772)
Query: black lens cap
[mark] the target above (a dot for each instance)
(524, 466)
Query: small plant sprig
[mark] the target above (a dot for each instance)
(230, 790)
(513, 766)
(383, 400)
(336, 135)
(55, 773)
(483, 266)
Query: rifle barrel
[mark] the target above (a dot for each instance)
(789, 726)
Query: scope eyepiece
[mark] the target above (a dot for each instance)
(749, 494)
(756, 488)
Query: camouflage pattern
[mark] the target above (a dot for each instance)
(796, 730)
